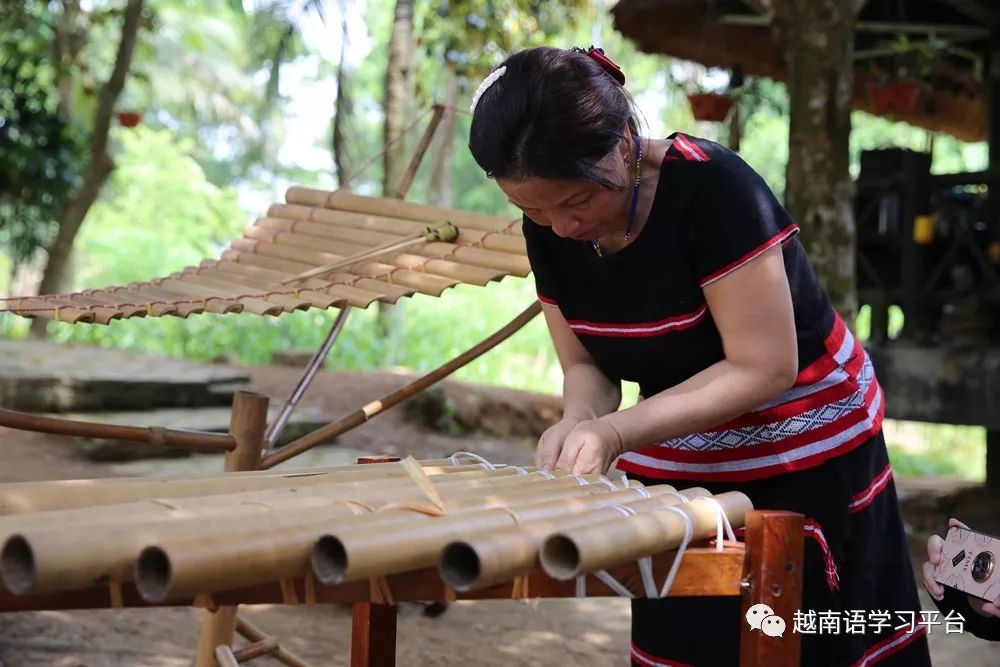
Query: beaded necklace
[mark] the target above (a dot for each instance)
(635, 197)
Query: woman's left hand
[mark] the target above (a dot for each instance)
(589, 448)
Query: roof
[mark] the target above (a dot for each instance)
(727, 33)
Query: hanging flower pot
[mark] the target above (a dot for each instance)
(894, 97)
(710, 106)
(129, 118)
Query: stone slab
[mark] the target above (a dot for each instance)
(42, 376)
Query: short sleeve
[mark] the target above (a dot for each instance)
(541, 259)
(733, 218)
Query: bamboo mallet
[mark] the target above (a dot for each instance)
(440, 231)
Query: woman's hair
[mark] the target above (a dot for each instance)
(553, 113)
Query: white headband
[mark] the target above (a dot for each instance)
(484, 86)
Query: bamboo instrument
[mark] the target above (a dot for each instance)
(362, 551)
(443, 231)
(486, 557)
(21, 497)
(208, 560)
(57, 554)
(599, 546)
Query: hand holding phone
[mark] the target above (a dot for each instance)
(968, 561)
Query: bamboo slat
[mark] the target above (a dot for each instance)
(312, 229)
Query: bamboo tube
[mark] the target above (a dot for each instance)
(517, 265)
(425, 141)
(57, 555)
(316, 250)
(225, 657)
(486, 558)
(393, 208)
(599, 546)
(158, 509)
(176, 284)
(349, 553)
(41, 306)
(243, 251)
(103, 313)
(354, 419)
(256, 649)
(223, 283)
(252, 633)
(193, 440)
(217, 305)
(19, 497)
(155, 308)
(213, 558)
(444, 231)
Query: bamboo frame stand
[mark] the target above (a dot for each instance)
(767, 568)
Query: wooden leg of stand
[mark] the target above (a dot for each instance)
(373, 626)
(773, 576)
(247, 425)
(373, 635)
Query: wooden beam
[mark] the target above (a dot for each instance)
(890, 27)
(973, 9)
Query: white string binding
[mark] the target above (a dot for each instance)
(520, 470)
(546, 474)
(455, 460)
(721, 521)
(485, 85)
(582, 481)
(607, 482)
(688, 533)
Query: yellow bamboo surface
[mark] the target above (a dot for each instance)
(310, 229)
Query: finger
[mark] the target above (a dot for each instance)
(547, 453)
(935, 589)
(569, 452)
(934, 547)
(991, 608)
(955, 523)
(586, 463)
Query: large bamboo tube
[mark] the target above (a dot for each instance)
(486, 558)
(229, 558)
(359, 552)
(146, 512)
(393, 208)
(61, 553)
(38, 496)
(587, 549)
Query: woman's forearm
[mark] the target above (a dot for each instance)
(714, 396)
(588, 393)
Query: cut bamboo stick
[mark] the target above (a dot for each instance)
(599, 546)
(221, 558)
(486, 558)
(252, 633)
(353, 552)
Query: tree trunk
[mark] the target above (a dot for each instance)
(342, 107)
(99, 165)
(440, 188)
(817, 38)
(399, 92)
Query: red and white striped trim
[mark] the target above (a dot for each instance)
(639, 329)
(864, 498)
(689, 149)
(814, 530)
(764, 459)
(894, 643)
(778, 239)
(546, 301)
(643, 658)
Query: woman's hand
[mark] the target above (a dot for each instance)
(551, 442)
(589, 447)
(935, 546)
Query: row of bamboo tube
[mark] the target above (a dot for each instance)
(311, 229)
(479, 524)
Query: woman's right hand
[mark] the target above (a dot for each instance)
(935, 545)
(551, 442)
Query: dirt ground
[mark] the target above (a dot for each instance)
(585, 633)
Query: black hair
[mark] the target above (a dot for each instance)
(553, 114)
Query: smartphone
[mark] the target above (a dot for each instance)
(970, 562)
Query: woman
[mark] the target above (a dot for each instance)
(668, 262)
(980, 618)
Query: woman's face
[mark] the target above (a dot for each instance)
(575, 209)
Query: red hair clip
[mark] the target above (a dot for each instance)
(607, 64)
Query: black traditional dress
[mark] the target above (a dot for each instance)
(817, 449)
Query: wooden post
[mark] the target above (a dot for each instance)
(247, 426)
(418, 155)
(373, 626)
(993, 461)
(773, 576)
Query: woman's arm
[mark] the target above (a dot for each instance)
(587, 392)
(752, 309)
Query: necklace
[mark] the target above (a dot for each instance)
(635, 197)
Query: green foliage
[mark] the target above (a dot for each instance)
(41, 153)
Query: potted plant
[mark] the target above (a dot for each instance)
(899, 87)
(713, 107)
(129, 118)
